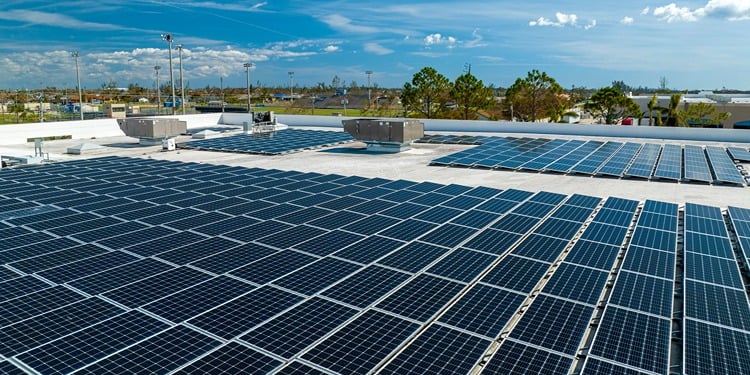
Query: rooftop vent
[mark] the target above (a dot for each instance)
(385, 135)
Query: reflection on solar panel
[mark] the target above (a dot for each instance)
(597, 158)
(696, 165)
(279, 142)
(723, 166)
(334, 274)
(739, 153)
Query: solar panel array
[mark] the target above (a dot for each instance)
(115, 265)
(273, 143)
(617, 159)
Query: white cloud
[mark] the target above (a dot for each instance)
(437, 39)
(377, 49)
(645, 11)
(732, 10)
(561, 19)
(55, 20)
(331, 48)
(591, 25)
(673, 13)
(476, 40)
(341, 23)
(627, 20)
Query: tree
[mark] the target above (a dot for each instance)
(704, 114)
(673, 111)
(533, 96)
(620, 85)
(653, 106)
(470, 95)
(610, 104)
(426, 94)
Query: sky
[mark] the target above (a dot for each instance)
(693, 44)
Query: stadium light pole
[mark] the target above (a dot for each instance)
(182, 85)
(248, 66)
(158, 91)
(169, 40)
(78, 79)
(369, 73)
(291, 87)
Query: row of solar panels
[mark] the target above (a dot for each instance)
(621, 159)
(274, 143)
(118, 265)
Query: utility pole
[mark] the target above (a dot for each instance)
(369, 99)
(78, 78)
(168, 38)
(158, 91)
(248, 66)
(291, 86)
(182, 85)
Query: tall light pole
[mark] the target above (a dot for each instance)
(78, 79)
(248, 66)
(369, 73)
(158, 91)
(182, 86)
(168, 38)
(291, 86)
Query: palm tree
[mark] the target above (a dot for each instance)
(673, 116)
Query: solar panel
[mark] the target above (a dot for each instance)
(462, 265)
(517, 273)
(633, 339)
(231, 358)
(288, 334)
(670, 163)
(278, 142)
(516, 358)
(619, 161)
(366, 286)
(439, 350)
(739, 153)
(643, 164)
(421, 297)
(696, 165)
(315, 277)
(164, 352)
(723, 166)
(362, 344)
(717, 304)
(643, 293)
(413, 257)
(712, 349)
(576, 283)
(84, 347)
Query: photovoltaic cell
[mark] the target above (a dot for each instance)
(239, 315)
(649, 261)
(231, 358)
(157, 355)
(643, 164)
(36, 303)
(716, 304)
(273, 266)
(421, 297)
(670, 163)
(413, 257)
(553, 324)
(711, 349)
(306, 323)
(84, 347)
(712, 269)
(439, 350)
(197, 299)
(696, 165)
(516, 358)
(317, 276)
(576, 283)
(234, 258)
(484, 310)
(643, 293)
(157, 286)
(363, 343)
(633, 339)
(723, 166)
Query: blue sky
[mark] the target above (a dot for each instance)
(694, 44)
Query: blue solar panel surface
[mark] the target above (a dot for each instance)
(279, 142)
(370, 275)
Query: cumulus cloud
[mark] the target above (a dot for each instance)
(627, 20)
(673, 13)
(561, 19)
(591, 25)
(377, 49)
(645, 11)
(437, 39)
(331, 48)
(732, 10)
